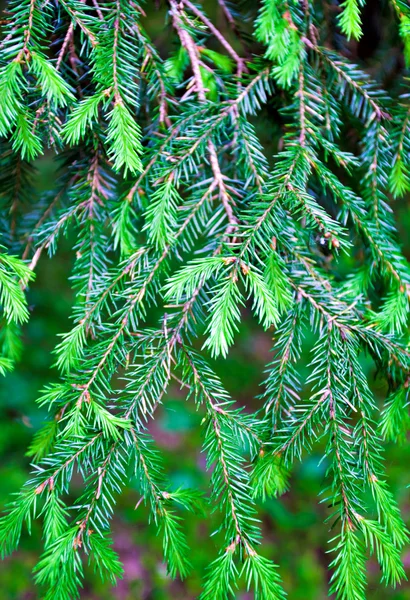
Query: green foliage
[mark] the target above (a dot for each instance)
(124, 139)
(180, 227)
(276, 28)
(82, 118)
(349, 20)
(269, 477)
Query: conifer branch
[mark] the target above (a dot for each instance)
(180, 228)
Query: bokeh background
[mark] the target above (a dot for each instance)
(295, 535)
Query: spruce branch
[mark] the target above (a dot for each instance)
(180, 227)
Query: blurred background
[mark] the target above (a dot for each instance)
(295, 535)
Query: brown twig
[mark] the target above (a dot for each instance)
(240, 62)
(189, 45)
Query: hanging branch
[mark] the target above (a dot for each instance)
(164, 191)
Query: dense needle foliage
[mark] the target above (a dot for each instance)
(179, 222)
